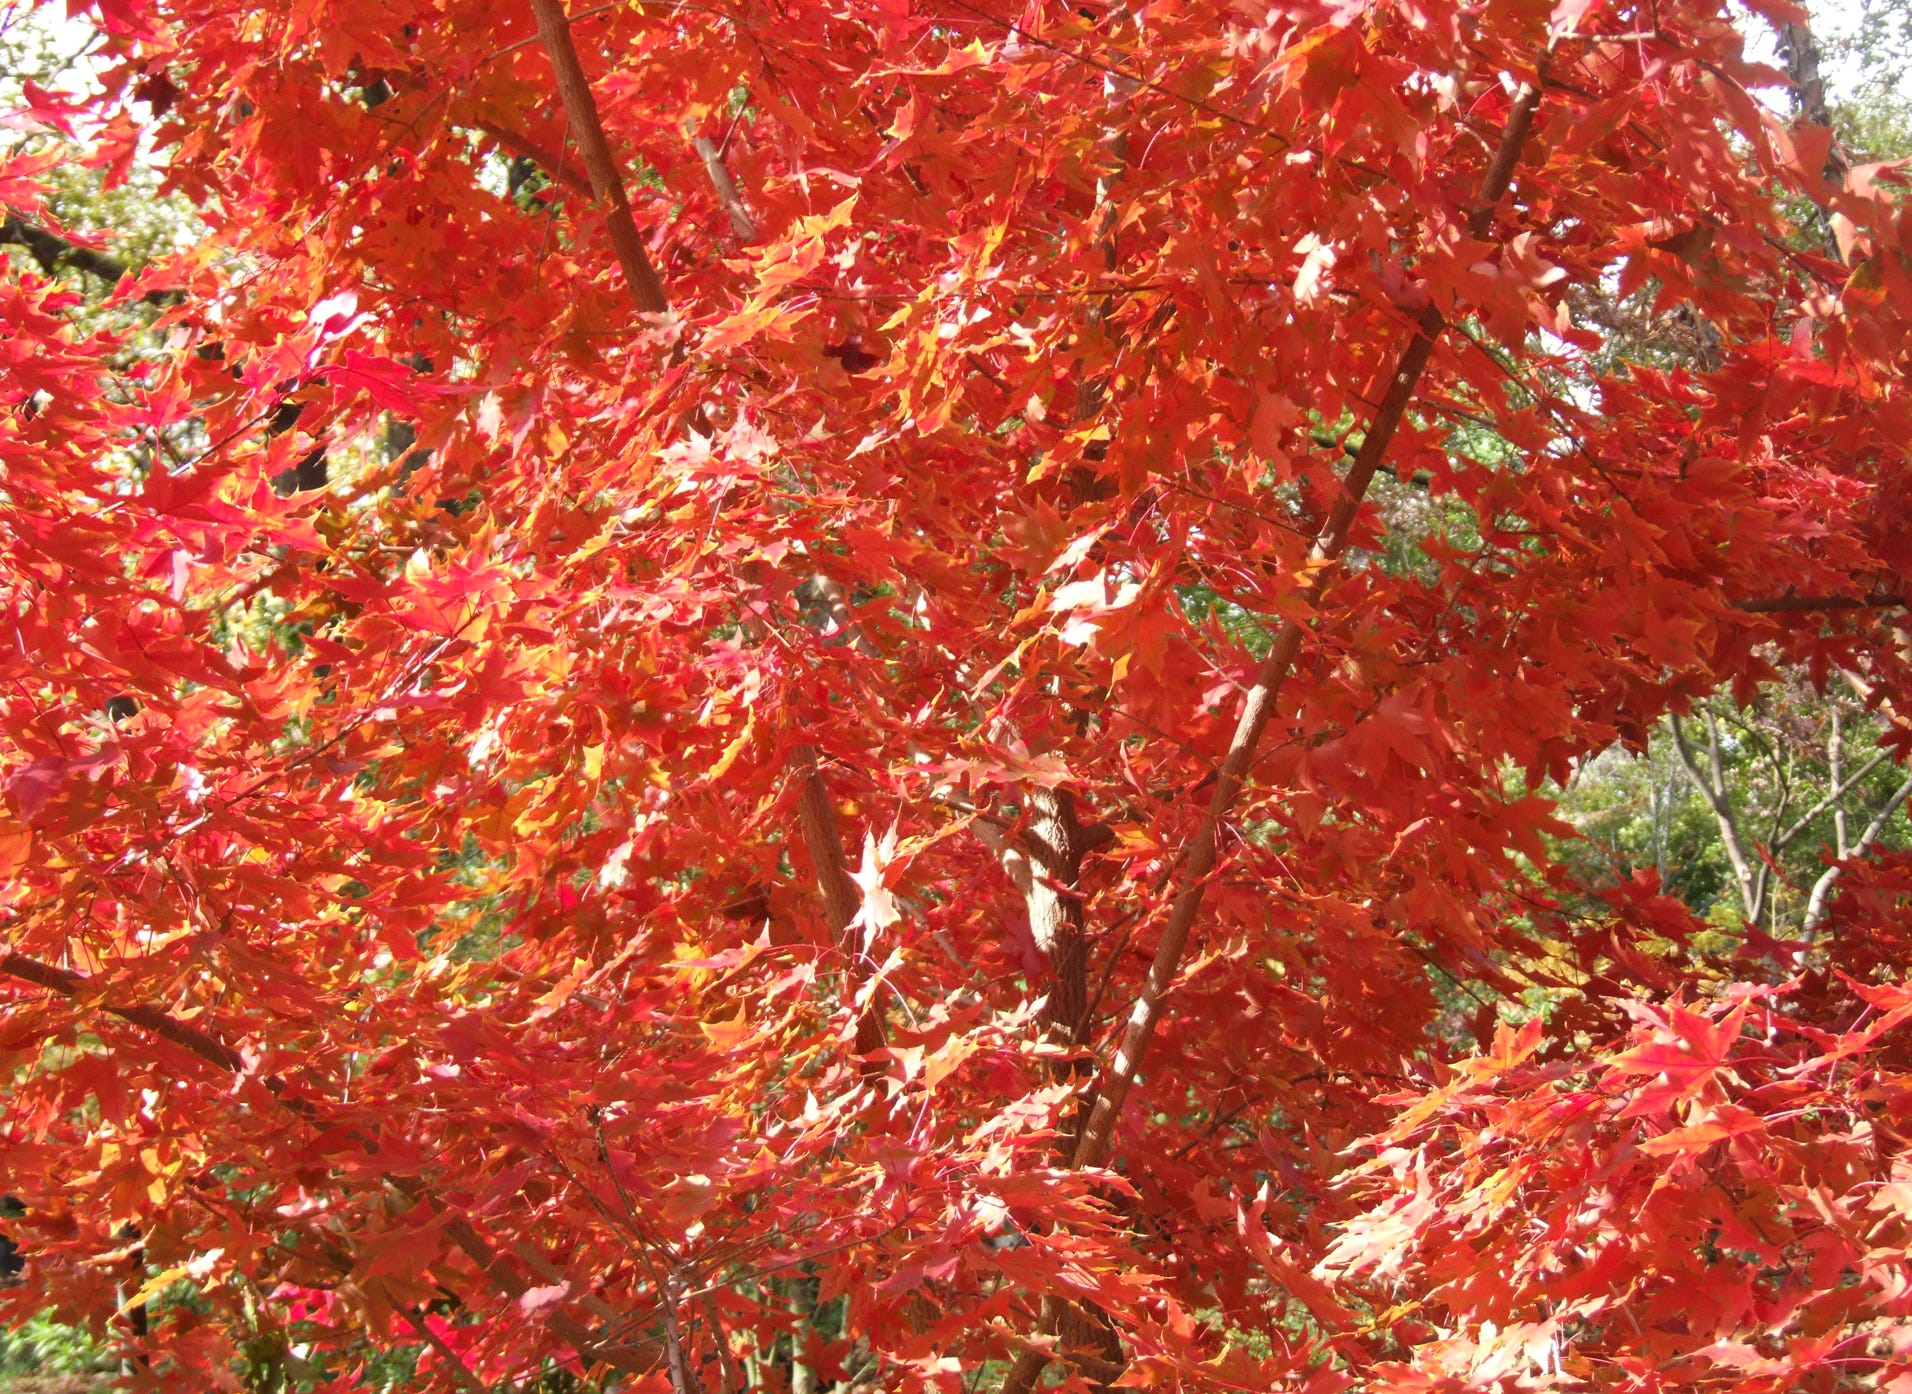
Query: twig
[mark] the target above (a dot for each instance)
(459, 1369)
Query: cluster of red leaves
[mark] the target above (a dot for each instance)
(406, 890)
(1722, 1204)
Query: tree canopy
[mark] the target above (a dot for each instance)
(749, 695)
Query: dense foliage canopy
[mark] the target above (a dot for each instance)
(756, 694)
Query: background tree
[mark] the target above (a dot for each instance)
(1744, 807)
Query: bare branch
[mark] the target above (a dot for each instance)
(1819, 905)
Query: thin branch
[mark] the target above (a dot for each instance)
(512, 48)
(501, 1275)
(636, 6)
(508, 1280)
(727, 193)
(1093, 1148)
(553, 1276)
(553, 165)
(52, 252)
(730, 1375)
(1835, 755)
(683, 1379)
(1801, 604)
(1123, 75)
(1840, 789)
(459, 1369)
(1763, 876)
(69, 984)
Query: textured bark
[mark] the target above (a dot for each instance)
(1044, 863)
(1800, 49)
(801, 1298)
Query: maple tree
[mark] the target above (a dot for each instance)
(750, 695)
